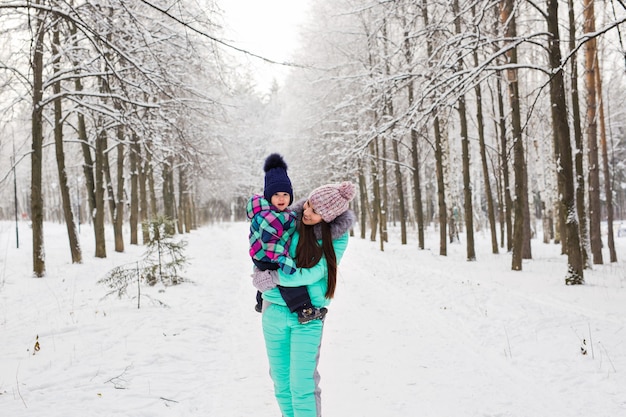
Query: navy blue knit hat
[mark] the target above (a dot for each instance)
(276, 179)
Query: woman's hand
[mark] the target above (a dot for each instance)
(264, 280)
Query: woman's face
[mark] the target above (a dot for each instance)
(309, 215)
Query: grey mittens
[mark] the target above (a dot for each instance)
(264, 280)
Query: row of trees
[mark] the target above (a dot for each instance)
(439, 106)
(131, 93)
(446, 113)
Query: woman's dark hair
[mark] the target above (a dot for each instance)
(309, 252)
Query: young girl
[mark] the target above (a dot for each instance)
(317, 246)
(272, 225)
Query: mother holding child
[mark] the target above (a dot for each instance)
(296, 249)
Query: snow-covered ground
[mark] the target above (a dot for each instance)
(410, 333)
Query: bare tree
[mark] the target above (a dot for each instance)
(562, 135)
(508, 19)
(439, 156)
(72, 234)
(578, 137)
(608, 192)
(483, 157)
(99, 186)
(36, 205)
(134, 158)
(467, 188)
(507, 201)
(592, 134)
(118, 219)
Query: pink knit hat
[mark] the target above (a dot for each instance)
(331, 200)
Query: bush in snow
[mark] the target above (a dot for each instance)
(163, 261)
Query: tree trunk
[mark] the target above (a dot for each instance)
(378, 200)
(578, 139)
(375, 204)
(189, 209)
(105, 89)
(592, 133)
(143, 199)
(557, 223)
(417, 187)
(508, 19)
(98, 215)
(88, 163)
(499, 181)
(565, 170)
(106, 171)
(384, 209)
(363, 198)
(526, 249)
(194, 216)
(36, 191)
(169, 198)
(182, 201)
(483, 158)
(400, 193)
(608, 192)
(561, 216)
(467, 184)
(504, 165)
(134, 188)
(60, 155)
(118, 223)
(441, 195)
(389, 112)
(154, 211)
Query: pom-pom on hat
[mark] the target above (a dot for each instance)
(332, 200)
(276, 179)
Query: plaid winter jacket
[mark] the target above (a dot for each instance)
(270, 233)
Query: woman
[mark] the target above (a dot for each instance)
(317, 246)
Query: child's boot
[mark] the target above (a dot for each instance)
(308, 314)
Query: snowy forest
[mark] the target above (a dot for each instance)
(503, 117)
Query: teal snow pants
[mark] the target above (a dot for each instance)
(293, 353)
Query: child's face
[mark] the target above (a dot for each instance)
(280, 200)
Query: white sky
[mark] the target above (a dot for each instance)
(268, 28)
